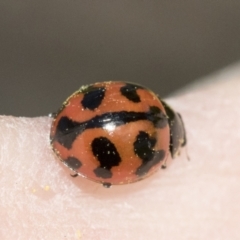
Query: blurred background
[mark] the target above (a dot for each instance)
(49, 48)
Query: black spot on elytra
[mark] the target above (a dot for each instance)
(73, 163)
(93, 97)
(143, 148)
(67, 130)
(102, 172)
(130, 92)
(107, 155)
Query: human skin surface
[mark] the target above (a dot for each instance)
(194, 199)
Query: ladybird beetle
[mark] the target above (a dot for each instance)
(116, 132)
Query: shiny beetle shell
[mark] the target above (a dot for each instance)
(115, 132)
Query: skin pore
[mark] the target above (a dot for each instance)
(196, 199)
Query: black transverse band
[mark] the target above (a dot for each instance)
(67, 130)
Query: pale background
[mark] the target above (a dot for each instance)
(50, 48)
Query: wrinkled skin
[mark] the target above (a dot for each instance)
(196, 199)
